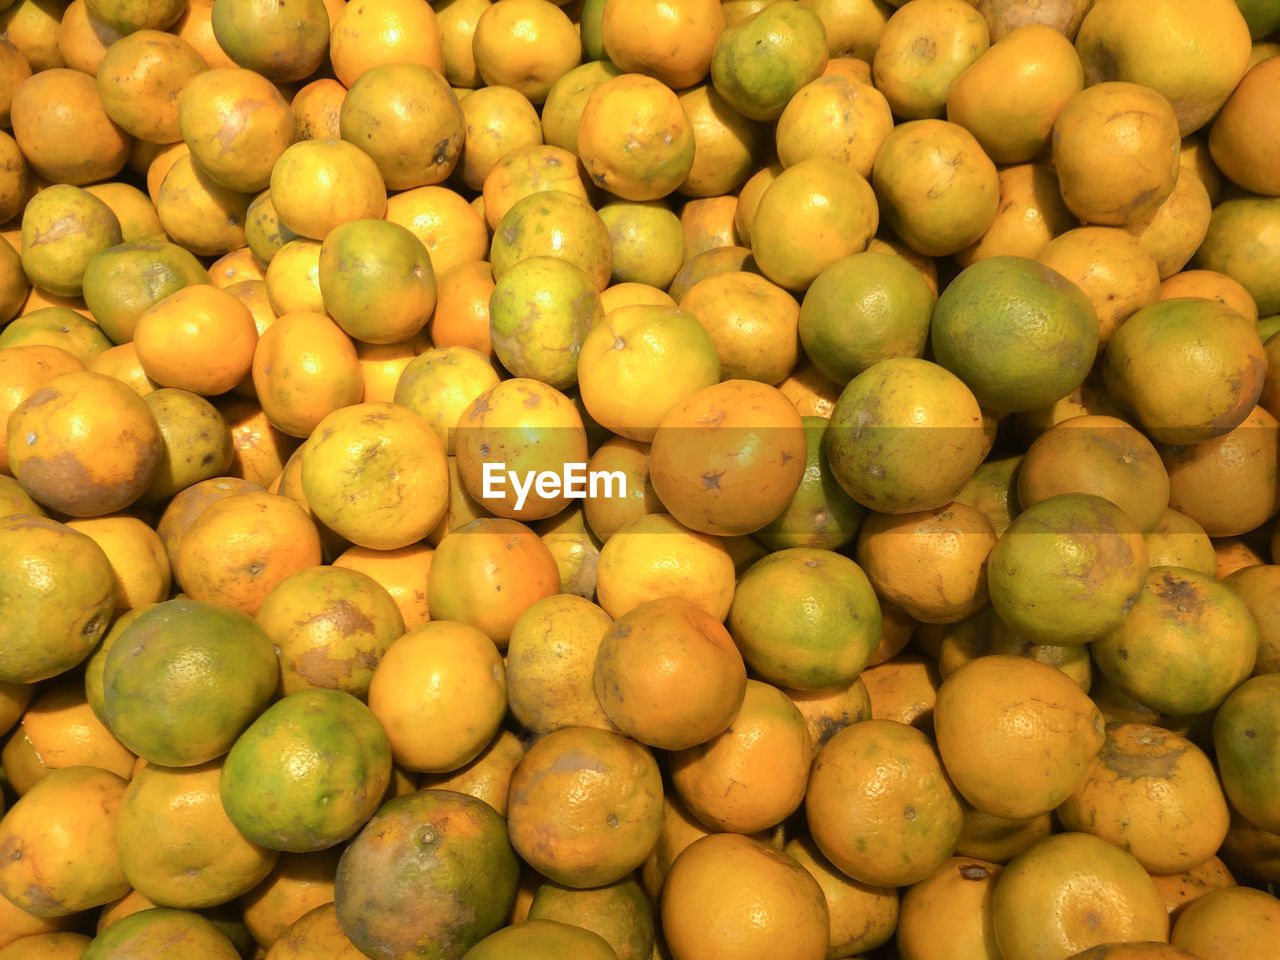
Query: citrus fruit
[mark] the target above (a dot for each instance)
(541, 938)
(951, 906)
(1067, 570)
(161, 928)
(761, 61)
(1003, 720)
(277, 792)
(199, 668)
(1244, 732)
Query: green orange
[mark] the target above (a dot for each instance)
(377, 281)
(123, 281)
(308, 773)
(184, 679)
(161, 929)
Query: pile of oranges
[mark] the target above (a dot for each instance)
(640, 479)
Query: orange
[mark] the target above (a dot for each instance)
(60, 843)
(752, 322)
(820, 513)
(531, 428)
(553, 223)
(1072, 891)
(315, 932)
(525, 44)
(1193, 54)
(1115, 148)
(382, 363)
(19, 924)
(1256, 587)
(121, 362)
(938, 190)
(708, 262)
(614, 820)
(293, 270)
(727, 147)
(551, 659)
(121, 282)
(542, 938)
(1153, 657)
(526, 170)
(440, 691)
(260, 449)
(1017, 736)
(863, 308)
(647, 240)
(488, 776)
(1178, 541)
(950, 910)
(496, 121)
(137, 556)
(236, 266)
(283, 45)
(388, 894)
(32, 28)
(57, 326)
(140, 80)
(625, 356)
(315, 108)
(539, 312)
(619, 912)
(813, 213)
(1244, 731)
(161, 928)
(178, 848)
(762, 60)
(23, 369)
(1098, 455)
(1179, 889)
(241, 546)
(885, 778)
(406, 118)
(836, 117)
(149, 688)
(707, 223)
(84, 444)
(655, 555)
(1233, 921)
(728, 459)
(318, 184)
(62, 129)
(1191, 406)
(199, 338)
(457, 23)
(563, 107)
(650, 661)
(199, 213)
(1211, 285)
(396, 462)
(187, 505)
(439, 384)
(805, 618)
(1111, 267)
(1000, 838)
(133, 208)
(766, 903)
(58, 730)
(921, 50)
(384, 31)
(997, 340)
(1154, 794)
(862, 916)
(751, 776)
(278, 796)
(55, 259)
(452, 232)
(673, 43)
(889, 416)
(951, 543)
(517, 568)
(606, 515)
(236, 124)
(1067, 570)
(401, 572)
(1037, 71)
(196, 442)
(297, 884)
(1247, 112)
(827, 712)
(48, 946)
(634, 138)
(304, 368)
(330, 626)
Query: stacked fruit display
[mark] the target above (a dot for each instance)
(635, 479)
